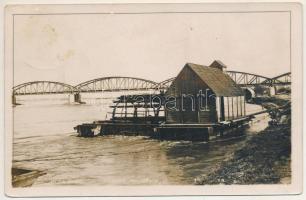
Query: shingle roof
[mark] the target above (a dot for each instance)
(218, 81)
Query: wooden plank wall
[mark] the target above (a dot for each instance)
(234, 107)
(188, 83)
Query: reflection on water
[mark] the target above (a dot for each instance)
(44, 139)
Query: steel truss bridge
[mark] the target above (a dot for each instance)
(43, 87)
(244, 79)
(112, 84)
(117, 83)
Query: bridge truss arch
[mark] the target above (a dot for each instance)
(116, 83)
(43, 87)
(284, 78)
(249, 79)
(244, 79)
(166, 83)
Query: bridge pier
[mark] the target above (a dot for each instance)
(276, 90)
(14, 101)
(77, 98)
(249, 93)
(272, 91)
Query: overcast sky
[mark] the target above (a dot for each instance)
(77, 48)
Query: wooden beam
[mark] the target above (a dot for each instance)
(233, 116)
(222, 116)
(228, 114)
(237, 104)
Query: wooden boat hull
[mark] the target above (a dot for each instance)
(25, 177)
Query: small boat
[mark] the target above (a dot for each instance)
(25, 177)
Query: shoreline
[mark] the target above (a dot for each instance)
(265, 158)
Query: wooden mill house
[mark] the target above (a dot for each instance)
(202, 98)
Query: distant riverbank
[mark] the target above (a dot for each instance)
(265, 158)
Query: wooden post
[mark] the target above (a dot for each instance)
(241, 105)
(237, 104)
(233, 115)
(228, 114)
(199, 118)
(181, 110)
(244, 107)
(114, 111)
(222, 115)
(135, 112)
(221, 131)
(125, 106)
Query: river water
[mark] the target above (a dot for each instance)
(44, 139)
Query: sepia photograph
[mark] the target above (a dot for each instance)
(178, 96)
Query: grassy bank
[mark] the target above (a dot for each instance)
(265, 157)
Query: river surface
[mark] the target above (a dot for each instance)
(44, 139)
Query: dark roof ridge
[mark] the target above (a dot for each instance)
(219, 82)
